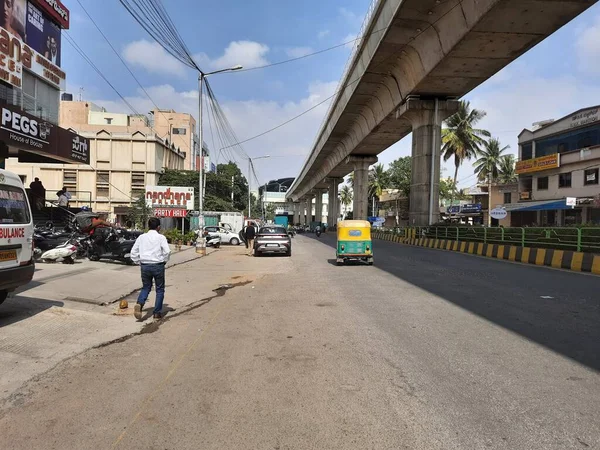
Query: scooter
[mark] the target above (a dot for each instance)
(318, 232)
(63, 253)
(212, 240)
(110, 246)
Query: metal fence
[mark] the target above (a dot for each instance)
(565, 238)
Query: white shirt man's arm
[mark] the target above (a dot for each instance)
(135, 251)
(166, 250)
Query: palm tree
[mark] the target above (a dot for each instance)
(507, 170)
(461, 140)
(487, 167)
(346, 197)
(378, 181)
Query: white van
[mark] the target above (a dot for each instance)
(16, 235)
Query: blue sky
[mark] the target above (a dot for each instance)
(553, 79)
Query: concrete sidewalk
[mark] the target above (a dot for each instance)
(96, 283)
(37, 333)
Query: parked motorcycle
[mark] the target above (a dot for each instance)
(108, 243)
(212, 240)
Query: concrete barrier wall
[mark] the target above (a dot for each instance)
(558, 259)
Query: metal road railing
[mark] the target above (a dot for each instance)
(565, 238)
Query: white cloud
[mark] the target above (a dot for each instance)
(323, 34)
(349, 16)
(152, 57)
(298, 52)
(288, 145)
(588, 48)
(244, 53)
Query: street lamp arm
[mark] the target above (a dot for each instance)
(230, 69)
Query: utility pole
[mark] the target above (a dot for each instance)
(232, 188)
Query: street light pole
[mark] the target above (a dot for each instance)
(201, 78)
(250, 182)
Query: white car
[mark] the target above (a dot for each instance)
(16, 235)
(227, 236)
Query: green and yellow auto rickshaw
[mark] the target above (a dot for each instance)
(354, 242)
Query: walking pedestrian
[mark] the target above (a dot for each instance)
(38, 192)
(152, 252)
(250, 235)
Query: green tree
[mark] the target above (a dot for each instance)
(399, 174)
(460, 139)
(346, 196)
(270, 211)
(487, 167)
(139, 213)
(507, 170)
(378, 180)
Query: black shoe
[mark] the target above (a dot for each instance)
(158, 315)
(137, 311)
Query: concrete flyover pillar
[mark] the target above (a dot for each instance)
(319, 206)
(297, 212)
(308, 208)
(361, 184)
(426, 117)
(334, 202)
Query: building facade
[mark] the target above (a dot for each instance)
(558, 172)
(126, 155)
(30, 83)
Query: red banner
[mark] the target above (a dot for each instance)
(56, 10)
(170, 212)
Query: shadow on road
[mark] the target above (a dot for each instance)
(557, 309)
(16, 308)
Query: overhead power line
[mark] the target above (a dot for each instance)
(350, 83)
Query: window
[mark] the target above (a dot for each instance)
(102, 183)
(508, 197)
(542, 183)
(526, 151)
(70, 179)
(138, 184)
(13, 205)
(564, 180)
(568, 142)
(108, 120)
(590, 177)
(40, 98)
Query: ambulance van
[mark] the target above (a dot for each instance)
(16, 235)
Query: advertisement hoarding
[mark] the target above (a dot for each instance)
(56, 11)
(43, 35)
(170, 197)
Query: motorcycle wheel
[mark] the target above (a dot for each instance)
(68, 260)
(93, 257)
(129, 262)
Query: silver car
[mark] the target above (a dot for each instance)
(272, 239)
(227, 236)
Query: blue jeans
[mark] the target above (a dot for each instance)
(156, 273)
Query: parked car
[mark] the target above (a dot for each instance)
(272, 239)
(227, 236)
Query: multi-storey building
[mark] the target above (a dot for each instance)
(558, 169)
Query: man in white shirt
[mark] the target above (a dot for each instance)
(151, 250)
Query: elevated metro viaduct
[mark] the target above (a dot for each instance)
(416, 58)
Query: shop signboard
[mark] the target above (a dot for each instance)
(170, 212)
(170, 197)
(571, 201)
(538, 164)
(16, 56)
(498, 213)
(24, 131)
(471, 208)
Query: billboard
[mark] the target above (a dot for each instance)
(43, 35)
(170, 197)
(13, 14)
(56, 11)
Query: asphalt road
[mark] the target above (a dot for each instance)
(425, 350)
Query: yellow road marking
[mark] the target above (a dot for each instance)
(577, 261)
(541, 256)
(596, 265)
(526, 254)
(557, 258)
(512, 253)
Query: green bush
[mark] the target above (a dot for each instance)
(173, 235)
